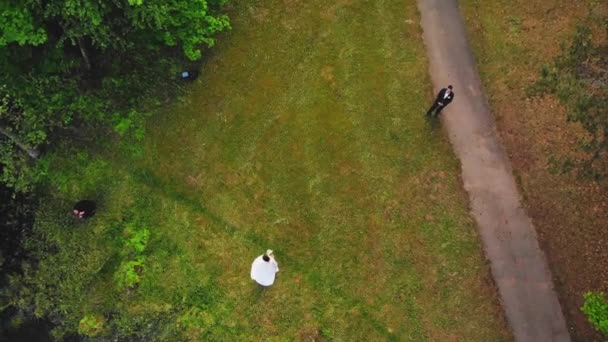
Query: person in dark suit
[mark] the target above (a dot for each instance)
(445, 96)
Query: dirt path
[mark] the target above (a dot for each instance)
(509, 239)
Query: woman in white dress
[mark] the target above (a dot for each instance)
(264, 269)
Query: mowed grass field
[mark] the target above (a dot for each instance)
(305, 134)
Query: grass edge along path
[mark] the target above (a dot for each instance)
(510, 242)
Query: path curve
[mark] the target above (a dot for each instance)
(509, 239)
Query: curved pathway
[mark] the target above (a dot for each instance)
(518, 264)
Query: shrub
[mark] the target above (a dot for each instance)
(91, 325)
(129, 271)
(128, 274)
(596, 309)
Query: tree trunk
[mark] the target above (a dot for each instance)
(83, 52)
(32, 152)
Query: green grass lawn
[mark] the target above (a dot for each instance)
(305, 134)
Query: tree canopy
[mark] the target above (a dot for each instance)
(77, 74)
(73, 67)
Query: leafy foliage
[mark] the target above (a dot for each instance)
(77, 68)
(596, 309)
(108, 276)
(91, 325)
(18, 26)
(129, 271)
(195, 27)
(579, 79)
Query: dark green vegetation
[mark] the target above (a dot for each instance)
(71, 68)
(77, 75)
(556, 49)
(17, 212)
(596, 309)
(305, 134)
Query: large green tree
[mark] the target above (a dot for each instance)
(73, 67)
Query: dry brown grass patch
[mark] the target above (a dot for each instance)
(570, 213)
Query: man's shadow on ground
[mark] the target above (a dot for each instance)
(434, 124)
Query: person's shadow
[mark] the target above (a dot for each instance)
(259, 291)
(433, 124)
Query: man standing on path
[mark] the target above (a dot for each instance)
(264, 269)
(445, 96)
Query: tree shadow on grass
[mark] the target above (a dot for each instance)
(170, 189)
